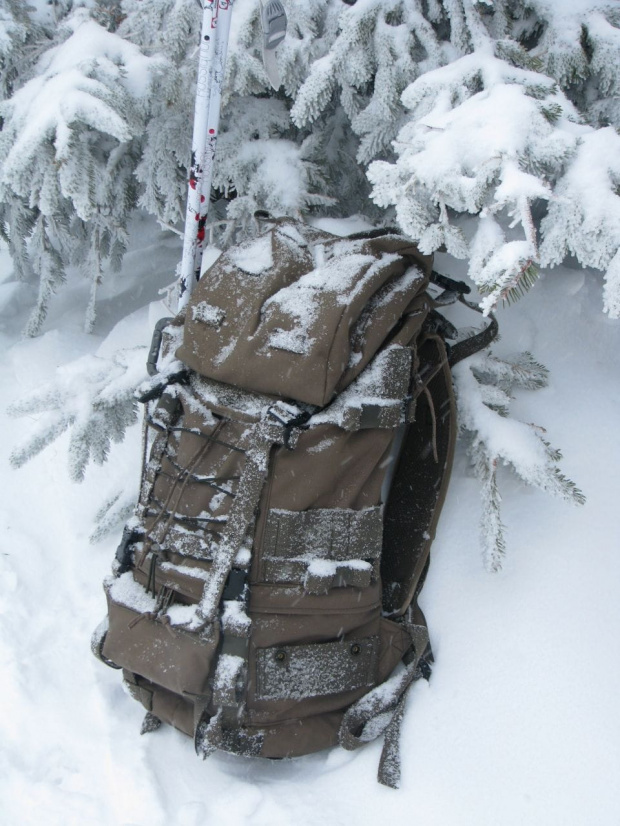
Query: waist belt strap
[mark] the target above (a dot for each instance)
(381, 711)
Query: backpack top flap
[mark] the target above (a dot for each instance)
(299, 313)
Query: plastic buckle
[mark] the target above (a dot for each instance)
(291, 417)
(284, 412)
(123, 552)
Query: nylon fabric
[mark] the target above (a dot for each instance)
(263, 596)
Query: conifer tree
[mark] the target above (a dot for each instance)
(484, 127)
(69, 147)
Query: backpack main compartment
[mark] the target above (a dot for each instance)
(265, 591)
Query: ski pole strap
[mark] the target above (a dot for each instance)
(462, 349)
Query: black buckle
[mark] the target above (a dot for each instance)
(290, 416)
(123, 552)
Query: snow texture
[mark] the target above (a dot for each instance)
(519, 723)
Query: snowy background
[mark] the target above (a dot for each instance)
(500, 117)
(520, 723)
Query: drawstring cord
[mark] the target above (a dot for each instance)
(181, 475)
(431, 407)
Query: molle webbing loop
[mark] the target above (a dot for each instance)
(323, 548)
(327, 533)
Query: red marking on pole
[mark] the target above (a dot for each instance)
(212, 131)
(202, 199)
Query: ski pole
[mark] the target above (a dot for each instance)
(211, 65)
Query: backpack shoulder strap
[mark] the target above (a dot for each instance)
(420, 480)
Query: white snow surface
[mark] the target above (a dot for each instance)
(520, 723)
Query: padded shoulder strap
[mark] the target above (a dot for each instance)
(420, 482)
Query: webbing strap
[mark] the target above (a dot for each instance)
(462, 349)
(381, 712)
(326, 533)
(273, 428)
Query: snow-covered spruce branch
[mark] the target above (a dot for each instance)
(381, 45)
(68, 150)
(490, 135)
(113, 513)
(19, 34)
(483, 385)
(93, 398)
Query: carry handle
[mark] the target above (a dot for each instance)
(158, 334)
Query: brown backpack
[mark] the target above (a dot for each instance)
(263, 599)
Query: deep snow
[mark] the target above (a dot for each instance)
(520, 723)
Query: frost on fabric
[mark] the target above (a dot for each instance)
(291, 232)
(323, 574)
(207, 313)
(323, 445)
(316, 670)
(185, 541)
(245, 404)
(384, 384)
(383, 298)
(234, 618)
(229, 670)
(327, 567)
(244, 557)
(299, 305)
(182, 616)
(256, 441)
(193, 403)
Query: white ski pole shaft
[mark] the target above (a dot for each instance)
(211, 65)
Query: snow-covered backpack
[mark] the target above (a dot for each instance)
(299, 443)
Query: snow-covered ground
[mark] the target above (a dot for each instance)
(520, 723)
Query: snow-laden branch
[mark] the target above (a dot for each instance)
(483, 384)
(92, 397)
(68, 149)
(489, 138)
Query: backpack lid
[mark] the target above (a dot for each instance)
(298, 312)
